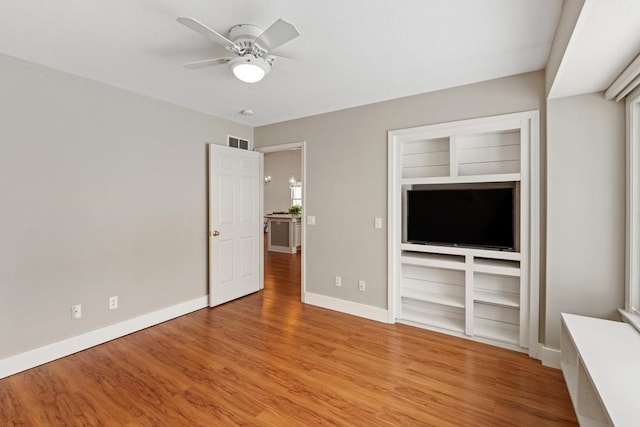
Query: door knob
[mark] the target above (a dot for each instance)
(214, 233)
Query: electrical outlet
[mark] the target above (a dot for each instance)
(338, 281)
(377, 222)
(361, 285)
(76, 311)
(113, 303)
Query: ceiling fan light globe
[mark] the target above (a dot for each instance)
(248, 73)
(249, 70)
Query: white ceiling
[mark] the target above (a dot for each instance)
(349, 53)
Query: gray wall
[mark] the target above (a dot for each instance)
(280, 165)
(347, 180)
(103, 192)
(586, 202)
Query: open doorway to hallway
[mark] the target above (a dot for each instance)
(284, 254)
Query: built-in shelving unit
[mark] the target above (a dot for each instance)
(483, 294)
(599, 360)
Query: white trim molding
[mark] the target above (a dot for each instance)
(626, 82)
(348, 307)
(48, 353)
(281, 147)
(632, 268)
(302, 146)
(550, 357)
(631, 318)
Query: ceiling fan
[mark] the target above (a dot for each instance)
(250, 44)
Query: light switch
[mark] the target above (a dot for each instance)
(311, 220)
(377, 223)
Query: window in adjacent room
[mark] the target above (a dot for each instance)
(296, 194)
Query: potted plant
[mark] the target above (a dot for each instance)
(295, 210)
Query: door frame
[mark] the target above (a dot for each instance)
(302, 146)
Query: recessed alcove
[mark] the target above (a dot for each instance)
(479, 292)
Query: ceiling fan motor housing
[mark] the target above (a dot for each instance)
(244, 36)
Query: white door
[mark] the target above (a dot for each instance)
(235, 223)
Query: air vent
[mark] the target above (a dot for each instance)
(236, 142)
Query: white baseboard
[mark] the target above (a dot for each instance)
(348, 307)
(32, 358)
(550, 357)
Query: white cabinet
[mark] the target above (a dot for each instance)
(600, 365)
(482, 294)
(466, 293)
(283, 233)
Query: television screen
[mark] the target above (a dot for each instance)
(461, 217)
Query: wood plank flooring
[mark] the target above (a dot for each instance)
(266, 359)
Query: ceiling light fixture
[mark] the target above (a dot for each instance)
(249, 69)
(292, 178)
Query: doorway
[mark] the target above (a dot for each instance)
(289, 178)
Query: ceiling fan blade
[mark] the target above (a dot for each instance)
(199, 27)
(279, 33)
(206, 63)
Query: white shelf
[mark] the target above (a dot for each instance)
(501, 177)
(504, 299)
(456, 250)
(443, 321)
(435, 298)
(493, 266)
(495, 330)
(435, 261)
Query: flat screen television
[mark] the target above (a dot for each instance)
(480, 217)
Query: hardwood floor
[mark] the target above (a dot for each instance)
(266, 359)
